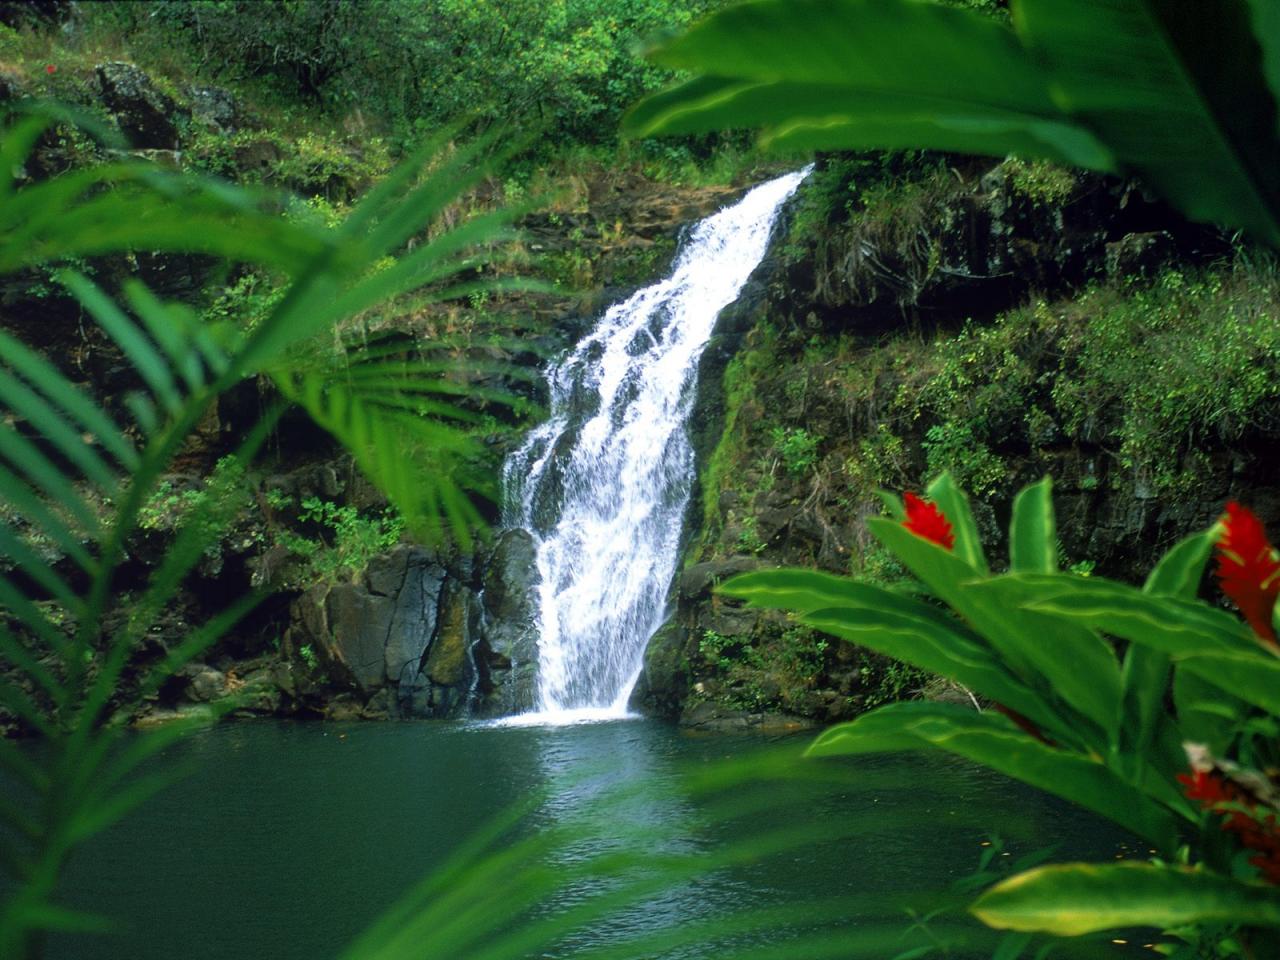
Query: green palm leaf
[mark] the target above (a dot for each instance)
(1180, 93)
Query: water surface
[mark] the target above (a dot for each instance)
(286, 840)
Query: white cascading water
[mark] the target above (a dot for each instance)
(604, 483)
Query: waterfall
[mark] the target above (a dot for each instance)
(603, 484)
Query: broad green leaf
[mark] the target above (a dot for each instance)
(893, 506)
(1073, 899)
(862, 73)
(1033, 532)
(939, 569)
(1146, 671)
(820, 116)
(944, 573)
(938, 650)
(1170, 624)
(1255, 680)
(805, 590)
(955, 507)
(995, 742)
(1071, 659)
(1179, 572)
(1177, 93)
(1205, 713)
(1266, 28)
(897, 626)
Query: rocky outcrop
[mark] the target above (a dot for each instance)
(510, 628)
(419, 636)
(149, 118)
(794, 439)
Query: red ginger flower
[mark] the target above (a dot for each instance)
(1207, 787)
(1248, 571)
(1254, 829)
(925, 520)
(50, 69)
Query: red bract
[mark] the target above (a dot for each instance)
(1247, 569)
(924, 519)
(50, 68)
(1207, 787)
(1254, 829)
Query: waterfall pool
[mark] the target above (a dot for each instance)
(284, 841)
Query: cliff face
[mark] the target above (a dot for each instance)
(1001, 321)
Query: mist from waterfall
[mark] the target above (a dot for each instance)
(603, 484)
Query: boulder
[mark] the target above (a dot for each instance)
(359, 623)
(215, 108)
(413, 577)
(147, 117)
(508, 651)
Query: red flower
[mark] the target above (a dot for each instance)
(1254, 829)
(926, 520)
(1247, 569)
(1207, 787)
(50, 69)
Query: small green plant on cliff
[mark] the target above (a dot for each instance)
(1184, 358)
(952, 446)
(349, 541)
(1168, 734)
(797, 448)
(1041, 181)
(223, 494)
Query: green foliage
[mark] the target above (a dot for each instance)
(952, 446)
(569, 67)
(1078, 716)
(348, 540)
(797, 448)
(1058, 84)
(1187, 359)
(224, 488)
(77, 479)
(1041, 181)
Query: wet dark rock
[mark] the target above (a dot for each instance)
(1141, 254)
(698, 580)
(508, 651)
(204, 683)
(147, 117)
(664, 681)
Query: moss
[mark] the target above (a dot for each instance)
(1040, 181)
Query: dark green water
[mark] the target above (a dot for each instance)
(285, 841)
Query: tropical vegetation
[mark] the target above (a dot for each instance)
(1187, 103)
(1147, 706)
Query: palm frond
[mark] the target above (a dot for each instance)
(75, 480)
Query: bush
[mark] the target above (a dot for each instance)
(567, 66)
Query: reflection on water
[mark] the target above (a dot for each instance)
(287, 840)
